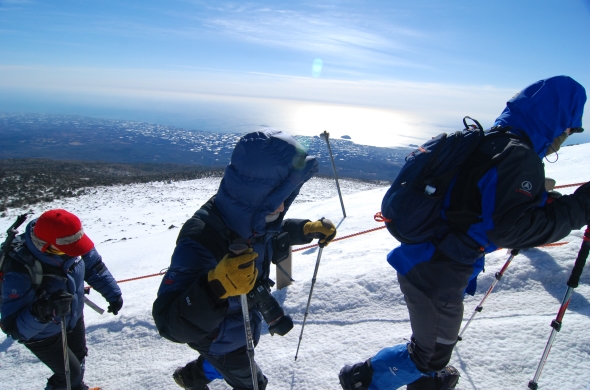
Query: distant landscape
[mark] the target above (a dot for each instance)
(43, 157)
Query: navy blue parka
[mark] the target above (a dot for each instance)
(66, 273)
(499, 199)
(267, 169)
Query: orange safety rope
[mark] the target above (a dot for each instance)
(378, 217)
(341, 238)
(570, 185)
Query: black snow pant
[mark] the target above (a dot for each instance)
(234, 367)
(50, 352)
(435, 329)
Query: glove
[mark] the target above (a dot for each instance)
(234, 275)
(323, 229)
(59, 304)
(115, 306)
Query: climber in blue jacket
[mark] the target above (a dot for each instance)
(498, 200)
(198, 301)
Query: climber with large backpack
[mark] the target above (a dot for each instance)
(457, 198)
(43, 272)
(216, 292)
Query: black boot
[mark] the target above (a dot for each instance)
(356, 377)
(447, 378)
(192, 376)
(424, 383)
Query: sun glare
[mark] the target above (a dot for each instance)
(364, 125)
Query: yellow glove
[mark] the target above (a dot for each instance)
(323, 229)
(234, 275)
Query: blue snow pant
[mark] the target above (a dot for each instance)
(435, 328)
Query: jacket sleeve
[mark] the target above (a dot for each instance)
(99, 277)
(515, 209)
(186, 310)
(17, 319)
(295, 229)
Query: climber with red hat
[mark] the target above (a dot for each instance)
(34, 303)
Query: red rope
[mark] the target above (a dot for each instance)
(570, 185)
(378, 217)
(341, 238)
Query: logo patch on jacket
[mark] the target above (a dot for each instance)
(170, 278)
(525, 188)
(13, 294)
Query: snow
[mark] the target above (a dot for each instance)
(356, 308)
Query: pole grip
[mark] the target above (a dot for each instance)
(574, 279)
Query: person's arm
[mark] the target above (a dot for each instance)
(514, 207)
(100, 278)
(18, 319)
(295, 229)
(303, 231)
(186, 309)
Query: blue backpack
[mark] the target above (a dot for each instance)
(411, 208)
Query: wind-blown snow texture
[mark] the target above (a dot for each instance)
(356, 308)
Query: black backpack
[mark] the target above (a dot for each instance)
(28, 262)
(15, 256)
(411, 208)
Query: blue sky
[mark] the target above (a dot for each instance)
(418, 61)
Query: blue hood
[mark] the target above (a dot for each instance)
(267, 168)
(545, 109)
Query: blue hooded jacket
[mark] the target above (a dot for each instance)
(507, 203)
(267, 169)
(544, 110)
(19, 293)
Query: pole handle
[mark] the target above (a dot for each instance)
(574, 279)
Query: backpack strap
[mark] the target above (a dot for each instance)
(208, 229)
(20, 259)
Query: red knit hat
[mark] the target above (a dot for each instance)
(63, 230)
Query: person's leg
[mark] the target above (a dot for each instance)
(193, 375)
(435, 327)
(77, 344)
(50, 352)
(235, 369)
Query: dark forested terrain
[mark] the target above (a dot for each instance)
(28, 181)
(44, 157)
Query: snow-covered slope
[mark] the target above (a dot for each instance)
(356, 308)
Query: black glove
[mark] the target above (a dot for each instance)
(115, 306)
(59, 304)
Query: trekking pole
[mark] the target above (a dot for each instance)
(64, 340)
(238, 249)
(498, 276)
(315, 272)
(93, 305)
(325, 135)
(571, 283)
(249, 340)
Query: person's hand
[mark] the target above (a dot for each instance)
(323, 229)
(234, 275)
(115, 306)
(58, 304)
